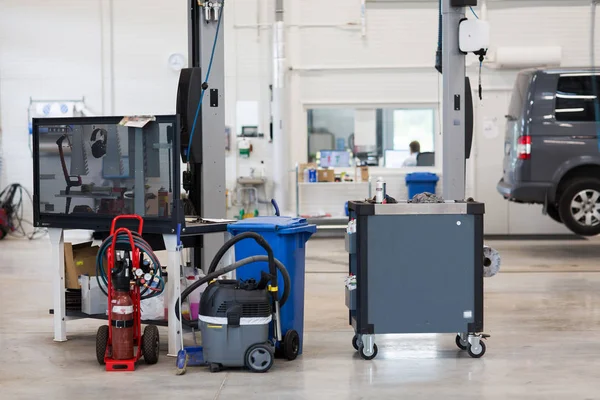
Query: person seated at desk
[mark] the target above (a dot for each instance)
(415, 149)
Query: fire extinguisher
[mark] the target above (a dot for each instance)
(122, 318)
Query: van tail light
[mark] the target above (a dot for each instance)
(524, 148)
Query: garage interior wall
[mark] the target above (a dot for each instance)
(114, 53)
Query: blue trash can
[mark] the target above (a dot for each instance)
(287, 237)
(420, 182)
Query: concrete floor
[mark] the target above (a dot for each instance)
(543, 312)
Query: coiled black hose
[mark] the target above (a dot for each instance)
(144, 247)
(287, 283)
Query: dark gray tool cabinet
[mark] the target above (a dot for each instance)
(419, 269)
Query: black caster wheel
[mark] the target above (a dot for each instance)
(150, 344)
(259, 358)
(356, 342)
(214, 367)
(477, 352)
(462, 344)
(361, 351)
(101, 343)
(291, 345)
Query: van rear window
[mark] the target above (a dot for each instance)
(576, 98)
(517, 101)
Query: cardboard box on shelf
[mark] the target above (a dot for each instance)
(303, 167)
(93, 300)
(325, 175)
(80, 259)
(362, 174)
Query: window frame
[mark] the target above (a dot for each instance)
(557, 98)
(437, 108)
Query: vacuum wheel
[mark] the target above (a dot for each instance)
(101, 343)
(291, 345)
(150, 344)
(259, 358)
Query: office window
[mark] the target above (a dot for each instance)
(329, 129)
(404, 126)
(576, 98)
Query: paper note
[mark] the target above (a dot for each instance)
(490, 128)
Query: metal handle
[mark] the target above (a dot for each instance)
(127, 216)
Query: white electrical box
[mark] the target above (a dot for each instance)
(474, 35)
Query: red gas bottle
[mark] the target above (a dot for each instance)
(122, 317)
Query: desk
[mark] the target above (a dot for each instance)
(190, 236)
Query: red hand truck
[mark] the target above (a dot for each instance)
(146, 344)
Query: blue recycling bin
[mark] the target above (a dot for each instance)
(287, 237)
(420, 182)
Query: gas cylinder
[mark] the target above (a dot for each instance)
(121, 314)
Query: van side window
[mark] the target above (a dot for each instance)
(575, 99)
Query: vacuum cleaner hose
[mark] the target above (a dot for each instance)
(246, 235)
(287, 283)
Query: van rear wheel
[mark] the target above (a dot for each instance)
(579, 206)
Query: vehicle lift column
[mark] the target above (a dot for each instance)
(207, 164)
(453, 118)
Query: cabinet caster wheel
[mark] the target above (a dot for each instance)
(477, 351)
(361, 351)
(356, 342)
(462, 344)
(215, 367)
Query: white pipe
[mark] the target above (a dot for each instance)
(280, 137)
(484, 10)
(346, 26)
(363, 18)
(371, 68)
(593, 35)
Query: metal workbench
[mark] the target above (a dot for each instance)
(418, 269)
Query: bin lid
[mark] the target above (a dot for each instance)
(270, 224)
(422, 177)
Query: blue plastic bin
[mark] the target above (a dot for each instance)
(287, 237)
(420, 182)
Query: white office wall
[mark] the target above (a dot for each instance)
(65, 50)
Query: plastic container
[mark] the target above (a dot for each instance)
(421, 182)
(287, 237)
(192, 305)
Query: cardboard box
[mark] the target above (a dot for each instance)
(325, 175)
(303, 167)
(80, 259)
(93, 300)
(362, 174)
